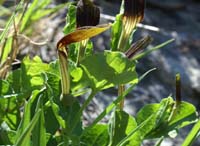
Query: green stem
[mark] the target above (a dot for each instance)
(178, 96)
(178, 88)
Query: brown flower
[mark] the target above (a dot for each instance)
(134, 9)
(133, 14)
(87, 14)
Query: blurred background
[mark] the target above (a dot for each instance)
(166, 19)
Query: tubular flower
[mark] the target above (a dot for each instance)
(87, 14)
(133, 14)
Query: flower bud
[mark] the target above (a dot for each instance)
(87, 14)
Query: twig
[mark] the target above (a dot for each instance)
(33, 42)
(27, 38)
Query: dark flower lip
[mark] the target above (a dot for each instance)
(134, 9)
(87, 14)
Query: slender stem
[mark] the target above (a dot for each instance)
(178, 97)
(121, 89)
(178, 88)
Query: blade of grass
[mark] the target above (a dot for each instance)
(123, 141)
(145, 53)
(24, 138)
(27, 16)
(39, 132)
(9, 23)
(193, 135)
(24, 123)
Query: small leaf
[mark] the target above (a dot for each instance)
(159, 112)
(97, 136)
(4, 88)
(109, 69)
(121, 126)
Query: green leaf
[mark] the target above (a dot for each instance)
(166, 119)
(54, 83)
(28, 77)
(54, 67)
(43, 11)
(6, 49)
(51, 123)
(9, 23)
(7, 136)
(4, 88)
(184, 114)
(39, 132)
(14, 79)
(89, 48)
(105, 70)
(35, 6)
(116, 32)
(97, 136)
(121, 126)
(24, 138)
(193, 135)
(160, 114)
(70, 19)
(56, 110)
(9, 111)
(25, 122)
